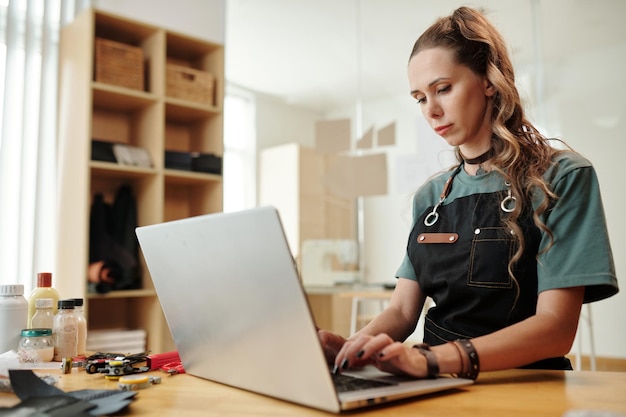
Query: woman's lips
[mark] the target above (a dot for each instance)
(441, 130)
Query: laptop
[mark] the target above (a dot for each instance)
(238, 313)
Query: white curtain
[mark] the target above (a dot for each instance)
(29, 37)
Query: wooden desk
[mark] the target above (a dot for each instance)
(513, 393)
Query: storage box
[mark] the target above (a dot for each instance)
(119, 64)
(194, 161)
(178, 160)
(102, 151)
(206, 162)
(190, 84)
(120, 153)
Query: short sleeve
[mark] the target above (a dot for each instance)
(580, 254)
(406, 269)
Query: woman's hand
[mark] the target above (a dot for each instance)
(384, 353)
(331, 344)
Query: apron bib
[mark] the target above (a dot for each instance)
(461, 262)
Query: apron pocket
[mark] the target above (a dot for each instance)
(492, 248)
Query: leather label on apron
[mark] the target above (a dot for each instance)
(424, 238)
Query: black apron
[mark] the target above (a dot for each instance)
(461, 262)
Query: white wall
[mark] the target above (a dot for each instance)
(203, 19)
(277, 123)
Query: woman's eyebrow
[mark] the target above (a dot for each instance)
(433, 82)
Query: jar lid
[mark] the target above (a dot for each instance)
(44, 279)
(78, 302)
(13, 289)
(44, 303)
(37, 332)
(66, 304)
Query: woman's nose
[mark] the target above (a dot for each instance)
(433, 110)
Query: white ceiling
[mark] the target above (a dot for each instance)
(323, 54)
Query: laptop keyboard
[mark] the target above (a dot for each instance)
(345, 383)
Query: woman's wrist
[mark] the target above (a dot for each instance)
(458, 358)
(458, 362)
(432, 363)
(471, 363)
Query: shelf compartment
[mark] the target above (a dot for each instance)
(131, 124)
(199, 55)
(128, 313)
(187, 199)
(122, 29)
(147, 38)
(197, 136)
(146, 190)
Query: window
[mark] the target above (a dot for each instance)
(239, 150)
(29, 36)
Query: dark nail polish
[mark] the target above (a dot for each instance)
(344, 364)
(335, 370)
(360, 354)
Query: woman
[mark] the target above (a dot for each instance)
(509, 244)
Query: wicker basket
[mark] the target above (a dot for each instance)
(119, 64)
(190, 84)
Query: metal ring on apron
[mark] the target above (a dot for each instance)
(506, 202)
(432, 217)
(505, 205)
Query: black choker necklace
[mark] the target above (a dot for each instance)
(481, 158)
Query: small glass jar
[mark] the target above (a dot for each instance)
(36, 345)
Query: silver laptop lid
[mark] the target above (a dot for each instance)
(235, 307)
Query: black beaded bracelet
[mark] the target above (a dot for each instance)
(472, 355)
(431, 359)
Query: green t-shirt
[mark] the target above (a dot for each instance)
(580, 254)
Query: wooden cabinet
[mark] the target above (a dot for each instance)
(146, 118)
(292, 178)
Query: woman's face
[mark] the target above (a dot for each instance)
(454, 100)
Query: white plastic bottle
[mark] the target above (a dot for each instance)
(79, 311)
(65, 331)
(13, 316)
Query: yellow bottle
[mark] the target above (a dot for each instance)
(44, 289)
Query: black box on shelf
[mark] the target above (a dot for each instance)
(194, 161)
(178, 160)
(206, 162)
(102, 151)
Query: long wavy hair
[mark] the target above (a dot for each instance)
(522, 153)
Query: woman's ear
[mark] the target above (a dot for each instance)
(490, 90)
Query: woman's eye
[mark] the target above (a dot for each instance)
(443, 89)
(420, 100)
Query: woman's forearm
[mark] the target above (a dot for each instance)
(549, 333)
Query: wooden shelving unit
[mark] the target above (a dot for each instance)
(146, 118)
